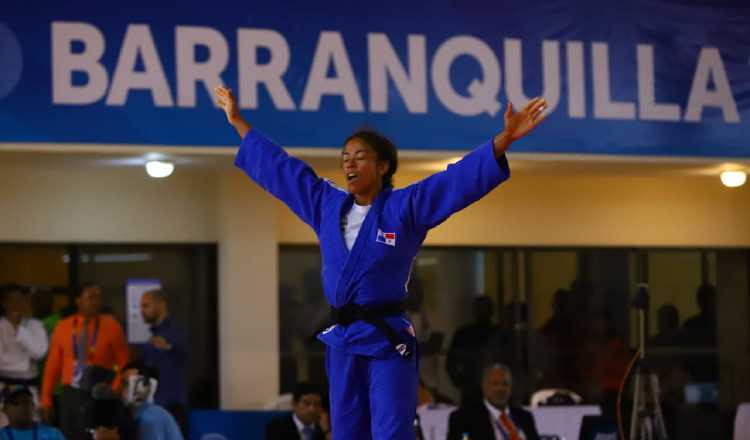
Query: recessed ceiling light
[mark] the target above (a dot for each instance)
(733, 179)
(159, 169)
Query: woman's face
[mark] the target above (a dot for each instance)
(362, 170)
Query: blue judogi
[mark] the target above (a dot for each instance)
(373, 389)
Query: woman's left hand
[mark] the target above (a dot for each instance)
(519, 124)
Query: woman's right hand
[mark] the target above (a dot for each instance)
(226, 100)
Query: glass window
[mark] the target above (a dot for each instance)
(187, 273)
(560, 318)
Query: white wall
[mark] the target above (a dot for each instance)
(74, 202)
(248, 298)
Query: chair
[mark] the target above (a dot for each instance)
(555, 396)
(279, 403)
(742, 422)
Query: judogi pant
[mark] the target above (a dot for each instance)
(372, 398)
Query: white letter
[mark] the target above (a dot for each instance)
(138, 40)
(383, 62)
(576, 80)
(604, 106)
(710, 65)
(331, 49)
(514, 72)
(65, 62)
(482, 94)
(251, 73)
(189, 71)
(648, 108)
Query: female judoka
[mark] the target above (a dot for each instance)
(369, 235)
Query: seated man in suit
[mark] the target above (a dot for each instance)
(492, 418)
(304, 421)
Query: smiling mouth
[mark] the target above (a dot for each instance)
(350, 176)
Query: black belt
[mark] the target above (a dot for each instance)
(374, 315)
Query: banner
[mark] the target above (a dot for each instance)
(642, 77)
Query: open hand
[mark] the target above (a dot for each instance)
(226, 100)
(519, 124)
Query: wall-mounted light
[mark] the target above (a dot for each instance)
(733, 179)
(159, 169)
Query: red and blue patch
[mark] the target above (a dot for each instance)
(388, 238)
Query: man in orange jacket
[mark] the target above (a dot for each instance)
(83, 340)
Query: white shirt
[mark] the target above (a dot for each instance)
(19, 350)
(300, 426)
(354, 220)
(495, 421)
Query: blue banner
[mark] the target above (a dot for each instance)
(642, 77)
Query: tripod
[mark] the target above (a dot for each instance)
(647, 420)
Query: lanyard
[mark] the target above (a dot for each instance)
(92, 344)
(9, 432)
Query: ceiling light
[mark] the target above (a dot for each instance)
(733, 179)
(159, 169)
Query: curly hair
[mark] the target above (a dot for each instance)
(384, 149)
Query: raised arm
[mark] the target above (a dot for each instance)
(437, 197)
(289, 179)
(228, 103)
(519, 124)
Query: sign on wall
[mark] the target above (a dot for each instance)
(636, 78)
(138, 330)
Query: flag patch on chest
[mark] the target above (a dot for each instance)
(388, 238)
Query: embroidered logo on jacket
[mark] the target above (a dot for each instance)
(388, 238)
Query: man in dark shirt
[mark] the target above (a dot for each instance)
(700, 333)
(469, 348)
(700, 330)
(167, 352)
(304, 421)
(668, 320)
